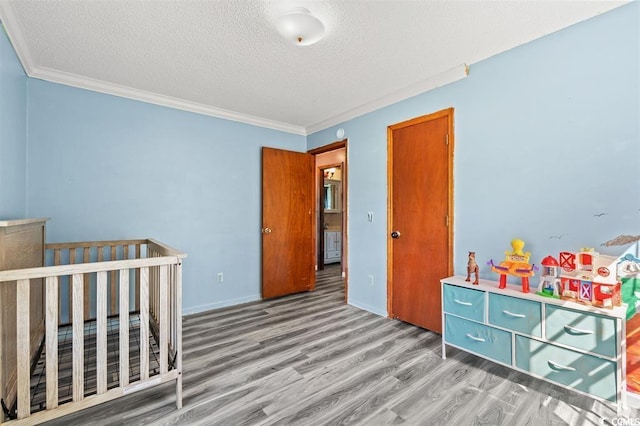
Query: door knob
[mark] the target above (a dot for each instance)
(266, 230)
(395, 234)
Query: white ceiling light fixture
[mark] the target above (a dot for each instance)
(300, 27)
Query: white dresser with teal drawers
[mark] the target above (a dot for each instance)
(573, 345)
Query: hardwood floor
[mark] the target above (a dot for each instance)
(309, 359)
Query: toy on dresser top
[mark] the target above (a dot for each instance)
(550, 278)
(472, 267)
(587, 277)
(516, 263)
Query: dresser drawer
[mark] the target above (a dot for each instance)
(590, 332)
(524, 316)
(481, 339)
(586, 373)
(332, 255)
(464, 302)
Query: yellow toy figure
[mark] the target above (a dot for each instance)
(516, 263)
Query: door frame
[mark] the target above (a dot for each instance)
(390, 129)
(345, 177)
(320, 247)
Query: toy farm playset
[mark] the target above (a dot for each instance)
(585, 277)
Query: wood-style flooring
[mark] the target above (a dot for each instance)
(309, 359)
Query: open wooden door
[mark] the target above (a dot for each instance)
(420, 217)
(287, 222)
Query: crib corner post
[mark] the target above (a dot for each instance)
(178, 325)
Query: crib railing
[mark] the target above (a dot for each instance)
(111, 274)
(94, 251)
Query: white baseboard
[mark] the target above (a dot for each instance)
(218, 305)
(365, 307)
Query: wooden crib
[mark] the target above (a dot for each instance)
(98, 285)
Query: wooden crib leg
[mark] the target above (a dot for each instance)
(179, 391)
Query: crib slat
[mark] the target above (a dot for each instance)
(124, 327)
(156, 294)
(86, 259)
(56, 261)
(51, 333)
(153, 293)
(101, 332)
(137, 290)
(144, 323)
(78, 338)
(150, 289)
(22, 348)
(72, 260)
(172, 318)
(163, 313)
(113, 283)
(125, 256)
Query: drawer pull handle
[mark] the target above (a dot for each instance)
(460, 302)
(477, 339)
(511, 314)
(557, 366)
(577, 330)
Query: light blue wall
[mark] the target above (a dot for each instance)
(103, 167)
(13, 132)
(547, 137)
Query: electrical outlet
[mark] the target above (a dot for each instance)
(370, 279)
(220, 277)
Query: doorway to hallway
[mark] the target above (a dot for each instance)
(331, 218)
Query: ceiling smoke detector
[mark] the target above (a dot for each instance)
(300, 27)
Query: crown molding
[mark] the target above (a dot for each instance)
(12, 29)
(438, 80)
(10, 21)
(74, 80)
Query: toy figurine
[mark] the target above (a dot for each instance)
(472, 266)
(550, 281)
(516, 263)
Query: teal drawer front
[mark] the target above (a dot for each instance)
(582, 330)
(464, 302)
(587, 373)
(524, 316)
(481, 339)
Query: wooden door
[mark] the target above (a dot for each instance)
(420, 208)
(287, 222)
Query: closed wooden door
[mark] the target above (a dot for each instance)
(287, 222)
(420, 236)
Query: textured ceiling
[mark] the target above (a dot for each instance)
(224, 57)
